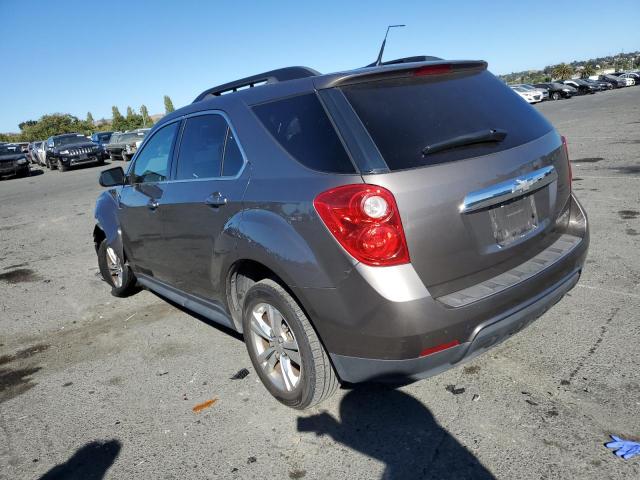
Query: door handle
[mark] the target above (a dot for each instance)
(152, 204)
(216, 200)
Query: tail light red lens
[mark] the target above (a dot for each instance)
(566, 152)
(365, 220)
(439, 348)
(432, 70)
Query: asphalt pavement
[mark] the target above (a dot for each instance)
(93, 386)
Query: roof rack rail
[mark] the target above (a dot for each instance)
(274, 76)
(417, 58)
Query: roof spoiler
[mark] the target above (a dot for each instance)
(417, 58)
(273, 76)
(408, 69)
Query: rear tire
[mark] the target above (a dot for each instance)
(123, 282)
(316, 380)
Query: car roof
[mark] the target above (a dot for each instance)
(290, 81)
(68, 135)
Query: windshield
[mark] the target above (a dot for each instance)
(69, 140)
(405, 115)
(131, 137)
(9, 149)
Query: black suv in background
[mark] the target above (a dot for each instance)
(612, 80)
(582, 87)
(384, 223)
(71, 149)
(13, 161)
(557, 90)
(101, 139)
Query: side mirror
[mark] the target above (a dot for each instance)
(112, 177)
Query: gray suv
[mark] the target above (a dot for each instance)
(380, 224)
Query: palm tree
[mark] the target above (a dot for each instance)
(588, 70)
(562, 71)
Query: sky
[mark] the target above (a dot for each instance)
(78, 56)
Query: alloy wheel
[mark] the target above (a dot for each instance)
(276, 347)
(115, 267)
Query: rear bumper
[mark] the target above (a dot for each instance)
(488, 335)
(377, 325)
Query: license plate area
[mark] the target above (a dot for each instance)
(513, 220)
(83, 156)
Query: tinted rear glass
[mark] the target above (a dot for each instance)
(404, 116)
(202, 147)
(301, 127)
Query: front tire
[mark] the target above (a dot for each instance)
(62, 167)
(556, 96)
(115, 271)
(284, 348)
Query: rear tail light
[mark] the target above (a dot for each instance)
(566, 153)
(365, 220)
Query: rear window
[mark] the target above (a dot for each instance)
(300, 125)
(403, 116)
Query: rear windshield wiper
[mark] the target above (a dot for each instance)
(482, 136)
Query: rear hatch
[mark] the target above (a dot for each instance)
(470, 210)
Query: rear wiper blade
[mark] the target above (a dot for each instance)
(483, 136)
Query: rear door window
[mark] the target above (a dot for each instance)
(301, 126)
(202, 147)
(405, 115)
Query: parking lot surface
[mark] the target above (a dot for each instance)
(92, 385)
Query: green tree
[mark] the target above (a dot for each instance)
(118, 122)
(588, 70)
(562, 71)
(26, 123)
(54, 124)
(146, 120)
(131, 121)
(168, 105)
(89, 118)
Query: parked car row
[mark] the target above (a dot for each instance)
(61, 152)
(538, 92)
